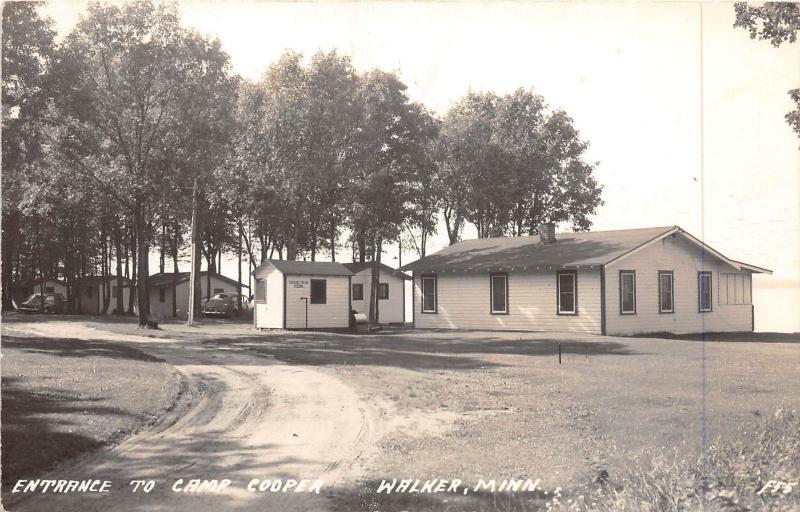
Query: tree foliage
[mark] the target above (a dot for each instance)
(508, 164)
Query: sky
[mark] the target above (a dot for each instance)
(684, 113)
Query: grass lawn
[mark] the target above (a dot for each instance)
(481, 405)
(64, 398)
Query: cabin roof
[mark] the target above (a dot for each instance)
(306, 268)
(165, 278)
(570, 250)
(357, 267)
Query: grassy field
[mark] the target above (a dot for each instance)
(65, 398)
(616, 415)
(478, 405)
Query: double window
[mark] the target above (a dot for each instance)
(383, 291)
(499, 294)
(704, 291)
(627, 292)
(666, 293)
(567, 292)
(358, 291)
(319, 291)
(429, 294)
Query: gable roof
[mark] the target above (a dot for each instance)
(165, 278)
(568, 251)
(98, 280)
(35, 282)
(357, 267)
(306, 268)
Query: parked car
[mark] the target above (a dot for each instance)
(224, 304)
(52, 303)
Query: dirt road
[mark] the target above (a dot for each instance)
(242, 418)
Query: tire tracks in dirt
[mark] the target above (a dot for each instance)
(241, 417)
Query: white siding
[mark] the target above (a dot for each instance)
(463, 303)
(269, 314)
(335, 313)
(685, 261)
(390, 310)
(92, 305)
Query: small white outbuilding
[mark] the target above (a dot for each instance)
(301, 295)
(391, 291)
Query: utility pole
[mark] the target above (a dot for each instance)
(192, 274)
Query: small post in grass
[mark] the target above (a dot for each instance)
(559, 353)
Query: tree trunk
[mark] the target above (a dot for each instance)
(374, 314)
(10, 237)
(142, 271)
(239, 275)
(118, 253)
(174, 248)
(134, 280)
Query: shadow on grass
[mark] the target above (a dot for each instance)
(730, 337)
(417, 352)
(73, 347)
(35, 438)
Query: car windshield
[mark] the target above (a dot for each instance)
(220, 296)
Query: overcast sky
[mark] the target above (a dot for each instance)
(628, 73)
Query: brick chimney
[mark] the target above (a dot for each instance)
(547, 232)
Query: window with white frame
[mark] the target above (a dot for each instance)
(383, 291)
(666, 294)
(627, 292)
(261, 290)
(499, 294)
(734, 289)
(567, 291)
(704, 291)
(429, 294)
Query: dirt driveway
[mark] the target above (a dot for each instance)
(244, 417)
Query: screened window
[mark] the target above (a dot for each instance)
(113, 292)
(567, 293)
(665, 292)
(627, 292)
(499, 293)
(734, 289)
(319, 291)
(429, 294)
(704, 289)
(162, 295)
(358, 291)
(383, 291)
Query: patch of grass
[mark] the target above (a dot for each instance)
(727, 476)
(66, 398)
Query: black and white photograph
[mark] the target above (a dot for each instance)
(400, 256)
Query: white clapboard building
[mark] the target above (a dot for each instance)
(391, 291)
(629, 281)
(301, 295)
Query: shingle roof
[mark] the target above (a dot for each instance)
(307, 268)
(165, 279)
(355, 268)
(97, 280)
(506, 253)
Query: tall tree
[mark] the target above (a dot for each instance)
(393, 134)
(28, 47)
(146, 97)
(778, 23)
(508, 164)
